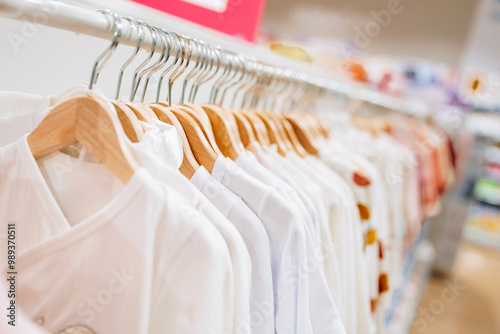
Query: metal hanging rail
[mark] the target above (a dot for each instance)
(89, 22)
(68, 17)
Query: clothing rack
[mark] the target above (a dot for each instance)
(89, 22)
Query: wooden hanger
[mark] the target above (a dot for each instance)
(246, 131)
(200, 146)
(229, 143)
(234, 126)
(292, 136)
(304, 135)
(259, 128)
(201, 118)
(283, 133)
(142, 111)
(324, 130)
(312, 126)
(205, 126)
(89, 121)
(308, 124)
(189, 163)
(273, 131)
(201, 113)
(130, 123)
(365, 124)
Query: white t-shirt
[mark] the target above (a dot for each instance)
(363, 195)
(346, 234)
(313, 198)
(249, 163)
(379, 221)
(159, 148)
(378, 204)
(257, 241)
(144, 262)
(289, 254)
(314, 245)
(385, 158)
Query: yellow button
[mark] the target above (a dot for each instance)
(371, 237)
(364, 211)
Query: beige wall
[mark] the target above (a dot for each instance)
(429, 29)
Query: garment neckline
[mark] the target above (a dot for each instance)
(66, 232)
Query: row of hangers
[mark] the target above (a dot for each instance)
(207, 130)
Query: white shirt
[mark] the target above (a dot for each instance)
(379, 220)
(318, 285)
(310, 190)
(160, 147)
(144, 262)
(288, 250)
(379, 209)
(347, 235)
(257, 241)
(249, 163)
(388, 176)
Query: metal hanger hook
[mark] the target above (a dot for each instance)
(185, 59)
(117, 26)
(191, 74)
(214, 55)
(135, 84)
(133, 22)
(159, 63)
(203, 70)
(177, 42)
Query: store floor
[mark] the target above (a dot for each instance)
(466, 302)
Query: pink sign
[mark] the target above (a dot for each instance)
(239, 18)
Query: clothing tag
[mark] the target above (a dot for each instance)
(82, 154)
